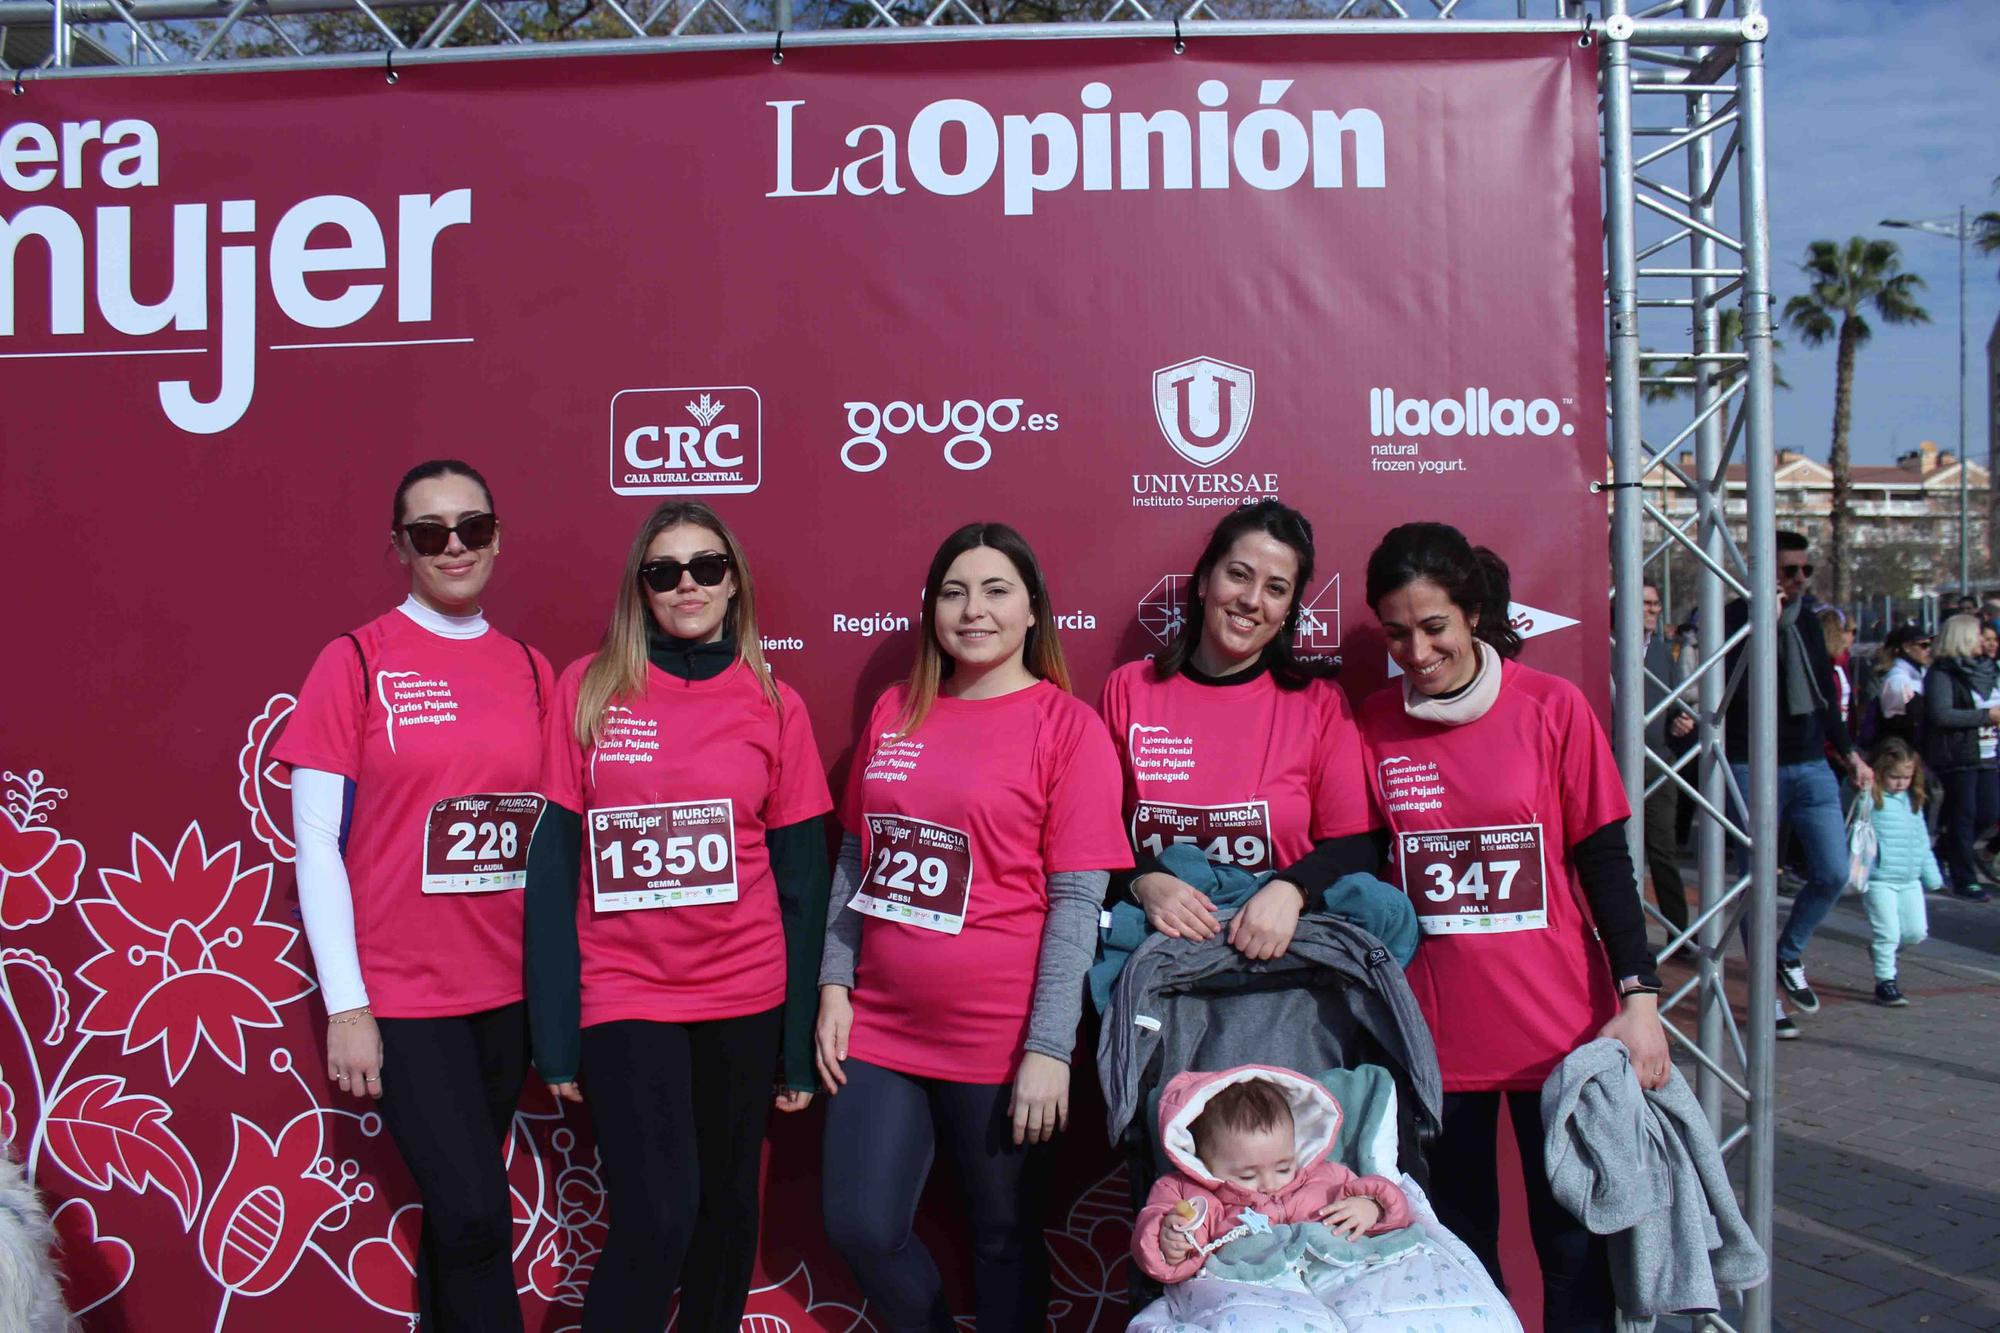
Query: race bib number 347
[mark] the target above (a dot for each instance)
(479, 844)
(918, 873)
(1476, 880)
(679, 854)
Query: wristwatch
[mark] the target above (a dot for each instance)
(1642, 983)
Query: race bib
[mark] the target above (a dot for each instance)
(479, 844)
(918, 873)
(1234, 835)
(680, 854)
(1475, 880)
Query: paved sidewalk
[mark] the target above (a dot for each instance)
(1888, 1172)
(1888, 1167)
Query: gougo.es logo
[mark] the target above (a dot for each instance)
(964, 425)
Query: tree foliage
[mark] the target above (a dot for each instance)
(1846, 282)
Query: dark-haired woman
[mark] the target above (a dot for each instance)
(416, 752)
(1507, 819)
(982, 822)
(676, 899)
(1233, 744)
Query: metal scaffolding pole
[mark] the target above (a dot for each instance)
(1762, 681)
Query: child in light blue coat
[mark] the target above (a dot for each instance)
(1904, 867)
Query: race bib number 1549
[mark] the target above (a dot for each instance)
(1476, 880)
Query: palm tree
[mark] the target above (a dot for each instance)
(1729, 339)
(1847, 280)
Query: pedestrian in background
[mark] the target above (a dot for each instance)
(1962, 740)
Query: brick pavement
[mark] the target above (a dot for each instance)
(1888, 1156)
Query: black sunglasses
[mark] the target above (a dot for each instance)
(1805, 570)
(665, 575)
(475, 533)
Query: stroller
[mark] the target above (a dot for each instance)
(1335, 1007)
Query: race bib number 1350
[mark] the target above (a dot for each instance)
(1476, 880)
(678, 854)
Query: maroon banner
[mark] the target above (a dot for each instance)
(1087, 287)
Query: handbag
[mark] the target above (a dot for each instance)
(1862, 845)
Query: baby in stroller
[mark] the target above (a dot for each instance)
(1336, 1002)
(1248, 1161)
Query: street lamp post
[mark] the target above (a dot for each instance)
(1956, 231)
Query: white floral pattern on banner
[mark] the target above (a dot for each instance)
(188, 958)
(177, 952)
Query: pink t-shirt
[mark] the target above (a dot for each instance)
(442, 739)
(1510, 972)
(961, 824)
(1251, 774)
(677, 910)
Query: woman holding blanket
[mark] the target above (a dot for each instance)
(1507, 820)
(982, 819)
(1232, 744)
(676, 899)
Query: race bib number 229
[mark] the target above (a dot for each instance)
(1475, 880)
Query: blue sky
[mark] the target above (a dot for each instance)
(1889, 108)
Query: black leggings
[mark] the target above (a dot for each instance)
(1465, 1189)
(882, 1133)
(680, 1167)
(448, 1091)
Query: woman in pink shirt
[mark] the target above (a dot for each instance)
(982, 819)
(1507, 824)
(1231, 742)
(416, 751)
(676, 896)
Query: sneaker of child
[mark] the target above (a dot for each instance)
(1251, 1148)
(1904, 866)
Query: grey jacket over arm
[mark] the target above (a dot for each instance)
(1644, 1169)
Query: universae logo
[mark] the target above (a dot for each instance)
(1203, 406)
(687, 441)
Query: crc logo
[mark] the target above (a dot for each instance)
(1203, 407)
(1163, 607)
(1319, 621)
(963, 424)
(698, 441)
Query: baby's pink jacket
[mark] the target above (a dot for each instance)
(1316, 1117)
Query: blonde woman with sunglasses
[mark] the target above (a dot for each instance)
(676, 905)
(416, 750)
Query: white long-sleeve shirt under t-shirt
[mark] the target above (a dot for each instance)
(319, 802)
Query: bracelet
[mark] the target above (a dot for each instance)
(346, 1019)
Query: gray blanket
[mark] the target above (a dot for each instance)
(1643, 1168)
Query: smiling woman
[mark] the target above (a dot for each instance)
(1232, 743)
(981, 820)
(1507, 818)
(421, 731)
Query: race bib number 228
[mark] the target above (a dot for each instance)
(1476, 880)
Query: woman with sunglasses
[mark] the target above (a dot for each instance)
(416, 749)
(1233, 744)
(676, 904)
(982, 819)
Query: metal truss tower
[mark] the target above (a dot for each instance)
(1686, 230)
